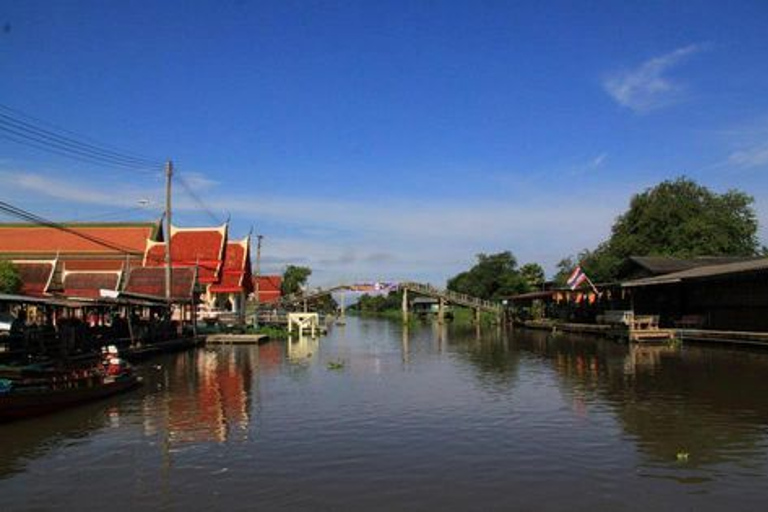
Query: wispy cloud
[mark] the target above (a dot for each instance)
(750, 158)
(598, 160)
(647, 87)
(390, 238)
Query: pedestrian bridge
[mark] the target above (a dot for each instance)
(444, 297)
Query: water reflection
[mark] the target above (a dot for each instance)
(420, 417)
(23, 441)
(301, 349)
(206, 397)
(684, 408)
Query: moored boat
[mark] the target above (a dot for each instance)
(32, 391)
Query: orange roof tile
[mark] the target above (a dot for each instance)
(236, 270)
(269, 288)
(190, 247)
(151, 281)
(118, 237)
(88, 284)
(35, 276)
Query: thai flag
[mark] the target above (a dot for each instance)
(577, 277)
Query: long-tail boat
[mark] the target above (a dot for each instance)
(34, 390)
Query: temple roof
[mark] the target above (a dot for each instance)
(35, 276)
(118, 238)
(269, 287)
(191, 247)
(150, 281)
(87, 284)
(236, 271)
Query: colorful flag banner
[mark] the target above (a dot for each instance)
(577, 277)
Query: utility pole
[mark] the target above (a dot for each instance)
(168, 262)
(258, 268)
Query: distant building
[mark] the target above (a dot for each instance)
(637, 267)
(712, 293)
(268, 287)
(223, 267)
(78, 259)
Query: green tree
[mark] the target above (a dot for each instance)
(533, 274)
(10, 280)
(564, 268)
(492, 277)
(294, 278)
(677, 218)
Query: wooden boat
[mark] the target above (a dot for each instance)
(35, 392)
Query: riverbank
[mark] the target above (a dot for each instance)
(460, 316)
(703, 336)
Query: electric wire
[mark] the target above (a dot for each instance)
(200, 203)
(114, 213)
(32, 135)
(72, 137)
(41, 221)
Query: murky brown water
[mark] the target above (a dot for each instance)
(426, 420)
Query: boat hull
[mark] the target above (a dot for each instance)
(14, 406)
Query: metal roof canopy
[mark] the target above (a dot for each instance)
(137, 299)
(47, 301)
(701, 273)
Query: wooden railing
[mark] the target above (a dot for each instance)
(459, 299)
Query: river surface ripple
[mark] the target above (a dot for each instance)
(416, 419)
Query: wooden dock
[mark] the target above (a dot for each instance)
(235, 339)
(632, 328)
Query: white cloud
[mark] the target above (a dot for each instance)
(756, 156)
(390, 238)
(646, 87)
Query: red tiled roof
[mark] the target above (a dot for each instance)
(88, 284)
(35, 276)
(151, 281)
(33, 239)
(269, 288)
(236, 270)
(190, 247)
(92, 264)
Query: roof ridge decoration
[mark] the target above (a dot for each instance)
(221, 229)
(150, 244)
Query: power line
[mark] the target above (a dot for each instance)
(75, 138)
(31, 134)
(36, 219)
(188, 189)
(115, 213)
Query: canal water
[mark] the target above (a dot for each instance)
(375, 417)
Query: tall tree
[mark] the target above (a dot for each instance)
(294, 278)
(492, 277)
(533, 274)
(678, 218)
(10, 280)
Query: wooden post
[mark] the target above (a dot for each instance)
(168, 262)
(405, 305)
(441, 311)
(477, 316)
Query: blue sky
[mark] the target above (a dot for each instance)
(390, 140)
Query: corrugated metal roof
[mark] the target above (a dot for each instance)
(705, 272)
(666, 264)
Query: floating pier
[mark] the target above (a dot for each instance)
(235, 339)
